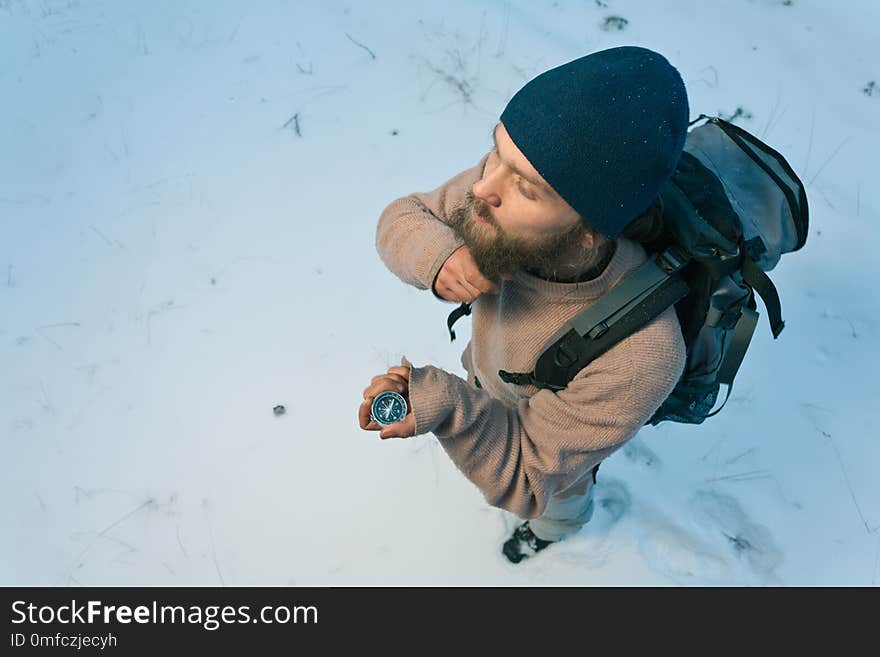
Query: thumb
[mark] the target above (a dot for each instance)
(391, 431)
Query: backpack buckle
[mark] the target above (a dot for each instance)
(755, 248)
(598, 330)
(671, 260)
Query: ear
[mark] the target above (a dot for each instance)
(588, 240)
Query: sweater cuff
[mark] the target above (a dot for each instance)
(431, 396)
(442, 250)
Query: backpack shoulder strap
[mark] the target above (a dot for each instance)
(639, 298)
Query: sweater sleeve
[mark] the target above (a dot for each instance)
(412, 235)
(521, 456)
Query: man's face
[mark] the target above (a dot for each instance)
(527, 225)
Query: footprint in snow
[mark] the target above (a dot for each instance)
(672, 552)
(590, 547)
(611, 501)
(637, 452)
(724, 520)
(727, 549)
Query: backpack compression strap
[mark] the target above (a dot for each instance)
(638, 299)
(755, 276)
(463, 310)
(744, 328)
(736, 350)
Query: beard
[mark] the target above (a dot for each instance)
(495, 252)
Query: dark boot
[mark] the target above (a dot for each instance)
(523, 544)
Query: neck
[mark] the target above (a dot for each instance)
(581, 265)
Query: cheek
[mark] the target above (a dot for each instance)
(530, 220)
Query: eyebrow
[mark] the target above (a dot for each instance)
(513, 167)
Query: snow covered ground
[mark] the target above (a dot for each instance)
(188, 201)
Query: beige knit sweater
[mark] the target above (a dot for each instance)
(520, 445)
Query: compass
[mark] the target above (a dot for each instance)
(388, 408)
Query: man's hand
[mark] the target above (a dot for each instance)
(459, 279)
(397, 379)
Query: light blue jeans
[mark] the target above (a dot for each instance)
(564, 517)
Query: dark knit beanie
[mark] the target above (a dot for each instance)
(605, 131)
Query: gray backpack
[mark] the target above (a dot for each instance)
(730, 210)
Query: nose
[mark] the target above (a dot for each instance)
(485, 189)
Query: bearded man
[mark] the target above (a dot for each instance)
(542, 227)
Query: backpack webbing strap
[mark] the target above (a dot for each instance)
(739, 342)
(718, 410)
(454, 316)
(755, 277)
(736, 349)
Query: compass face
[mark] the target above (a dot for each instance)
(388, 407)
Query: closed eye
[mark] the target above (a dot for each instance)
(525, 192)
(521, 186)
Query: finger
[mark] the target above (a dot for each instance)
(388, 376)
(366, 422)
(451, 290)
(377, 380)
(391, 431)
(462, 282)
(475, 277)
(483, 284)
(487, 287)
(380, 383)
(461, 293)
(469, 285)
(403, 429)
(464, 285)
(445, 293)
(394, 382)
(400, 370)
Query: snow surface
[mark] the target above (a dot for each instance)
(188, 202)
